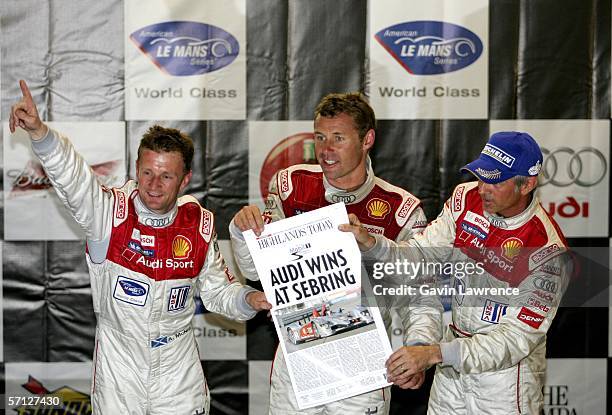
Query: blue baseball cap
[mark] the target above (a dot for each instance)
(507, 154)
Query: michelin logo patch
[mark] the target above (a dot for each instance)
(183, 48)
(178, 298)
(473, 230)
(131, 291)
(135, 246)
(428, 47)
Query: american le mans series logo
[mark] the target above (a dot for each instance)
(428, 47)
(131, 291)
(184, 48)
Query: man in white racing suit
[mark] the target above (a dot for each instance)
(492, 359)
(344, 132)
(149, 253)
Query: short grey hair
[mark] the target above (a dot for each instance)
(519, 181)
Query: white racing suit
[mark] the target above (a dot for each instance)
(145, 270)
(383, 209)
(494, 351)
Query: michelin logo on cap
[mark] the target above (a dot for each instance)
(507, 154)
(498, 154)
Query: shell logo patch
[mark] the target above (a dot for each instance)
(511, 248)
(181, 247)
(378, 208)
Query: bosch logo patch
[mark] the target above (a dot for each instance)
(477, 220)
(147, 240)
(375, 230)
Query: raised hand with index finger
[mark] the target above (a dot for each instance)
(25, 115)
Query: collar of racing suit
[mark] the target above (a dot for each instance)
(517, 221)
(334, 195)
(155, 220)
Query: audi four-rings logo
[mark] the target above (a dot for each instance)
(546, 285)
(576, 173)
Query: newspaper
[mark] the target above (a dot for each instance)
(334, 346)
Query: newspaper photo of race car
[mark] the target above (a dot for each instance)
(327, 323)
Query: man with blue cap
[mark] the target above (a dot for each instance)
(492, 357)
